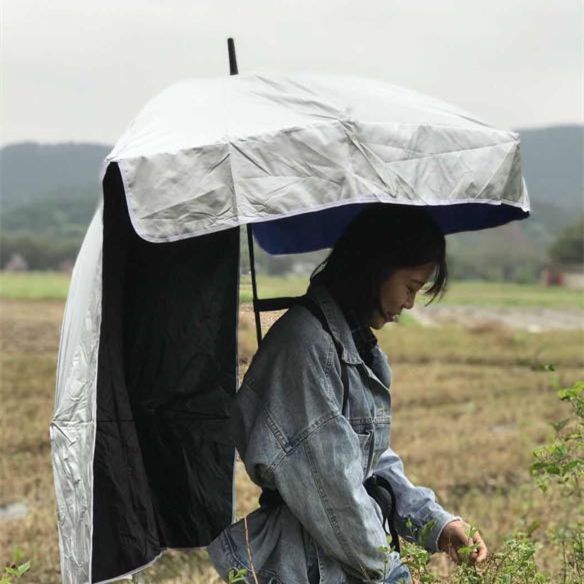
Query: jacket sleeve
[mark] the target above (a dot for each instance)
(315, 460)
(419, 518)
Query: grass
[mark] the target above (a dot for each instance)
(54, 285)
(469, 408)
(513, 295)
(34, 285)
(503, 294)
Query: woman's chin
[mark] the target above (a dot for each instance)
(378, 323)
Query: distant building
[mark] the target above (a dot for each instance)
(16, 263)
(66, 266)
(567, 275)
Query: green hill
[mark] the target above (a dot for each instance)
(553, 166)
(31, 172)
(48, 193)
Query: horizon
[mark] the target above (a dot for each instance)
(111, 144)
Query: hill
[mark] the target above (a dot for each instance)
(553, 165)
(50, 191)
(31, 172)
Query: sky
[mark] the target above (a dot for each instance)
(81, 70)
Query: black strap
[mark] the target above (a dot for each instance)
(381, 491)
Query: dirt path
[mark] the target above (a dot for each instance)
(533, 320)
(529, 319)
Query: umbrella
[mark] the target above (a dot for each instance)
(148, 357)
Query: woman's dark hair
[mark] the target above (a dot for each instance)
(380, 239)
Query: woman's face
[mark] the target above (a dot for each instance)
(398, 291)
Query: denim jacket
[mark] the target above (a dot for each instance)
(292, 436)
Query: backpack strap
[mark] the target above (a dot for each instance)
(381, 491)
(316, 311)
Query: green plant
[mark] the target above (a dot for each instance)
(568, 539)
(514, 563)
(16, 569)
(560, 463)
(235, 576)
(562, 460)
(417, 559)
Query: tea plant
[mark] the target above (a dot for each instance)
(514, 563)
(561, 464)
(562, 460)
(234, 576)
(417, 559)
(16, 569)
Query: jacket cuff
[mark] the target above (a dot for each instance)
(440, 520)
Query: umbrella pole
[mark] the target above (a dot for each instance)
(233, 70)
(254, 288)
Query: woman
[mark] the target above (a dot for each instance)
(312, 419)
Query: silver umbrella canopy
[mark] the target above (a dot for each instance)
(210, 154)
(148, 359)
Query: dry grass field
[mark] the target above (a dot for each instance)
(471, 404)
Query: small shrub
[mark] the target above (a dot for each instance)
(514, 563)
(16, 569)
(417, 559)
(236, 576)
(562, 460)
(561, 464)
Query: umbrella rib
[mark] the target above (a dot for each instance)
(509, 153)
(249, 158)
(361, 149)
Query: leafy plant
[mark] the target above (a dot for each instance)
(514, 563)
(561, 463)
(16, 569)
(235, 576)
(562, 460)
(417, 559)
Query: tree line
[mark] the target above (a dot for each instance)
(47, 234)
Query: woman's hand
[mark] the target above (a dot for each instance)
(458, 534)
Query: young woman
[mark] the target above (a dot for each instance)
(312, 420)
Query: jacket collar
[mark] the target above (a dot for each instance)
(337, 323)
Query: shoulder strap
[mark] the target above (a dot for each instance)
(380, 489)
(316, 311)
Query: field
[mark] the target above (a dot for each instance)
(471, 403)
(53, 286)
(34, 285)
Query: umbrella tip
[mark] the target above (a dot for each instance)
(232, 57)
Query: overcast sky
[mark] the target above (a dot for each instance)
(80, 70)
